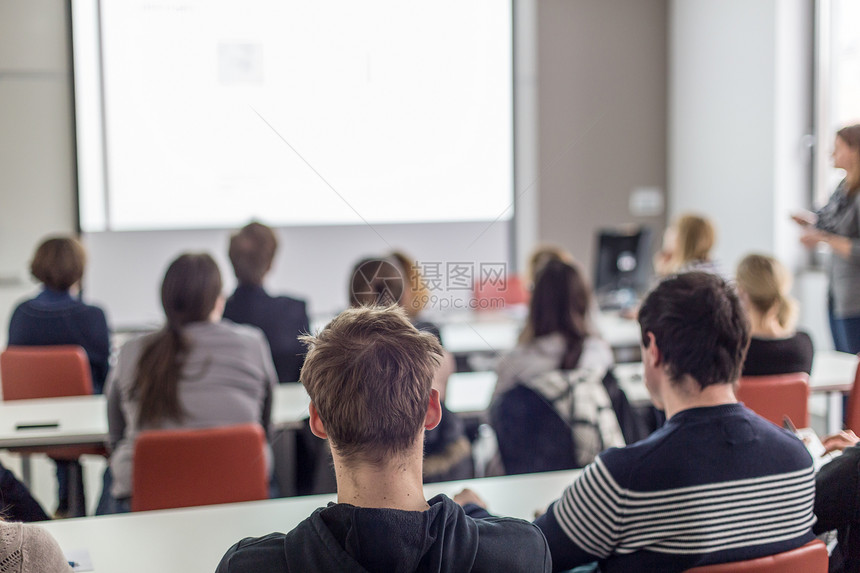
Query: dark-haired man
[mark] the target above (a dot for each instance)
(715, 484)
(369, 376)
(281, 318)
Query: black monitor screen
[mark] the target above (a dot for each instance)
(623, 266)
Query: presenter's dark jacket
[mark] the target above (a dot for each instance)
(56, 317)
(281, 318)
(342, 537)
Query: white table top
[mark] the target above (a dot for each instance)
(193, 540)
(499, 333)
(83, 419)
(832, 371)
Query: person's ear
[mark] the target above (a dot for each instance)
(316, 423)
(651, 352)
(434, 410)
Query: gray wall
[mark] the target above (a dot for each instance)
(602, 69)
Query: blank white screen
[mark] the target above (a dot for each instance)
(300, 113)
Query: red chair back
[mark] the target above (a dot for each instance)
(810, 558)
(184, 468)
(29, 372)
(494, 294)
(852, 412)
(773, 397)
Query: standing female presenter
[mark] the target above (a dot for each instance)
(838, 225)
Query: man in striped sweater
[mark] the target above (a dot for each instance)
(717, 483)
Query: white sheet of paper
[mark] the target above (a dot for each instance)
(80, 560)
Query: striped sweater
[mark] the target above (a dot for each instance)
(713, 485)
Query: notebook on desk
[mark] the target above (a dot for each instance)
(813, 444)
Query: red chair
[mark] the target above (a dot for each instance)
(498, 293)
(810, 558)
(32, 372)
(184, 468)
(773, 397)
(852, 410)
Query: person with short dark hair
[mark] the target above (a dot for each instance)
(369, 375)
(716, 483)
(281, 318)
(58, 316)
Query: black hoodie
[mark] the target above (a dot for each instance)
(342, 537)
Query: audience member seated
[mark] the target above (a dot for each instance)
(687, 247)
(397, 280)
(58, 316)
(16, 502)
(282, 319)
(717, 483)
(29, 548)
(369, 374)
(837, 501)
(775, 347)
(558, 336)
(196, 372)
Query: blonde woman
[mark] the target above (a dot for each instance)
(775, 347)
(687, 247)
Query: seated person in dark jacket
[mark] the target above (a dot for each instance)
(16, 502)
(282, 319)
(764, 286)
(837, 501)
(369, 376)
(57, 316)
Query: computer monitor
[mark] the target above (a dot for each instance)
(623, 268)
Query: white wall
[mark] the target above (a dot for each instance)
(739, 108)
(36, 167)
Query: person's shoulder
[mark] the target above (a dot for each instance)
(256, 554)
(518, 544)
(802, 338)
(41, 551)
(246, 333)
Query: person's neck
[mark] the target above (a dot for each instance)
(687, 394)
(766, 325)
(394, 484)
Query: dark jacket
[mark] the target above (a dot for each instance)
(837, 506)
(281, 318)
(342, 537)
(54, 318)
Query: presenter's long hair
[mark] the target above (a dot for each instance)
(850, 135)
(559, 304)
(189, 293)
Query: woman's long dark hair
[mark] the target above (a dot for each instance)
(560, 302)
(189, 293)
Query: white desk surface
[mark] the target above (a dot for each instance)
(194, 540)
(498, 333)
(83, 419)
(832, 371)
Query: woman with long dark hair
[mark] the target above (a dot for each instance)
(196, 372)
(838, 225)
(557, 334)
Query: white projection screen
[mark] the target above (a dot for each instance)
(205, 114)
